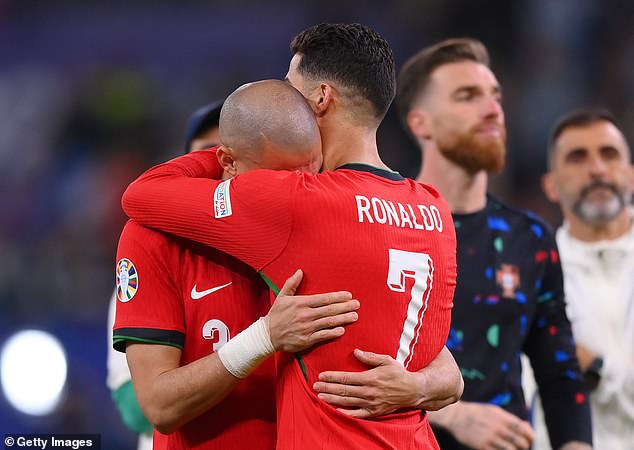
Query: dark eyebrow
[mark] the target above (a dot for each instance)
(466, 89)
(576, 150)
(601, 148)
(609, 147)
(473, 89)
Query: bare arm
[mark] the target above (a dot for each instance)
(388, 386)
(171, 395)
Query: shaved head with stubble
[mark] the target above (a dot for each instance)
(268, 125)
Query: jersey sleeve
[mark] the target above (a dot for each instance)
(248, 217)
(149, 308)
(550, 347)
(118, 372)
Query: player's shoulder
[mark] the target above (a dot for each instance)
(519, 218)
(268, 175)
(135, 234)
(431, 190)
(266, 179)
(356, 175)
(264, 182)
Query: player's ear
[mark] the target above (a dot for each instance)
(322, 99)
(549, 188)
(418, 124)
(226, 160)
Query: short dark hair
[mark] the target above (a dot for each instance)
(204, 119)
(416, 72)
(577, 118)
(354, 56)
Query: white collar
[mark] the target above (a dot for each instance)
(614, 249)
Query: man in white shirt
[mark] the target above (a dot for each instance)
(591, 177)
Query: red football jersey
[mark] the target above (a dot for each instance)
(388, 240)
(175, 292)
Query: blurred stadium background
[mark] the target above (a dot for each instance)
(92, 93)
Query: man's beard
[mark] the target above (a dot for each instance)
(472, 154)
(599, 212)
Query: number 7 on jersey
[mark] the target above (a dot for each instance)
(420, 267)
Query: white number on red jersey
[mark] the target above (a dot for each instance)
(216, 331)
(420, 267)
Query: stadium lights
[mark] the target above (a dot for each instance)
(33, 371)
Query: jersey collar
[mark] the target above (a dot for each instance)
(394, 176)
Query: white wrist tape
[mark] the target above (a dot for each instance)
(245, 351)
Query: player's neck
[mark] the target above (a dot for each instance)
(464, 192)
(346, 144)
(614, 229)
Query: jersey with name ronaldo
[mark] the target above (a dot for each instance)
(388, 240)
(178, 293)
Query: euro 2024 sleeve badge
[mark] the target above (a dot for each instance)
(127, 280)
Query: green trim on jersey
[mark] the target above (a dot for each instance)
(128, 406)
(122, 339)
(270, 284)
(276, 291)
(147, 335)
(385, 173)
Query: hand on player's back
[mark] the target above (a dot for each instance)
(387, 386)
(375, 392)
(297, 322)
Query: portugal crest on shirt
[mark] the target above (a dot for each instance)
(508, 278)
(127, 280)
